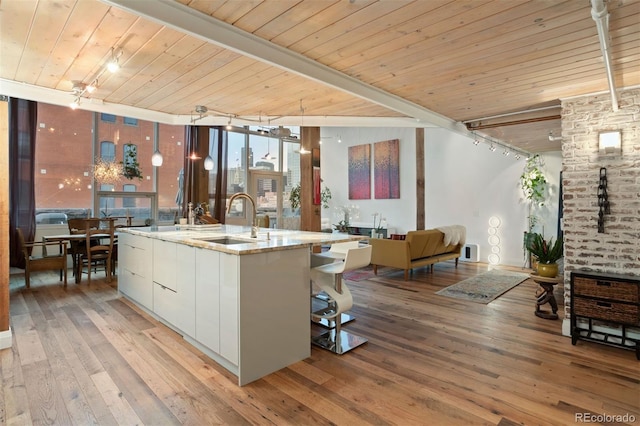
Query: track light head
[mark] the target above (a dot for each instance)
(78, 88)
(114, 64)
(76, 103)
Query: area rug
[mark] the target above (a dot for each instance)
(485, 287)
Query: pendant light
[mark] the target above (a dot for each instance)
(156, 158)
(303, 150)
(208, 163)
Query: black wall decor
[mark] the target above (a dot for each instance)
(603, 200)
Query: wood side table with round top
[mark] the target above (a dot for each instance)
(544, 295)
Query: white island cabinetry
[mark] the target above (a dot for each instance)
(174, 295)
(134, 268)
(245, 303)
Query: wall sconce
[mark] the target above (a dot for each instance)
(610, 142)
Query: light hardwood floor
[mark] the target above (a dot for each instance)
(83, 355)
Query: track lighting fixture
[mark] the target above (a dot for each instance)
(79, 88)
(229, 126)
(507, 150)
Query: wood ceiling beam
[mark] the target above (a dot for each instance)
(189, 21)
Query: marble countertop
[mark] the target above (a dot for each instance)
(267, 240)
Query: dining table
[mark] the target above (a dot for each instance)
(79, 236)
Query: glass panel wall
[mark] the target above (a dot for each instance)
(265, 152)
(239, 158)
(68, 144)
(133, 140)
(169, 177)
(63, 163)
(126, 209)
(266, 167)
(291, 173)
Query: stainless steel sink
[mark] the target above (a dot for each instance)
(226, 240)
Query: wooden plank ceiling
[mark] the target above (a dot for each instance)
(462, 59)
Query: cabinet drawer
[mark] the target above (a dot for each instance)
(609, 311)
(613, 290)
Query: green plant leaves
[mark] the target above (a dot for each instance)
(533, 182)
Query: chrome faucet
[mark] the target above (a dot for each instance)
(254, 227)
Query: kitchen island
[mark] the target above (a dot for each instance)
(242, 301)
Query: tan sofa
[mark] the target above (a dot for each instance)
(419, 248)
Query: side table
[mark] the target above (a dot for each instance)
(544, 295)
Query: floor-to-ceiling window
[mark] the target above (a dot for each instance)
(72, 144)
(267, 166)
(64, 158)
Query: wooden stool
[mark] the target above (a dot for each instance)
(544, 295)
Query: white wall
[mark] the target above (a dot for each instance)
(468, 184)
(465, 184)
(400, 213)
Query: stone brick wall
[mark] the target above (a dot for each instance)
(617, 250)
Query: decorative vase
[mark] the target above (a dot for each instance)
(548, 270)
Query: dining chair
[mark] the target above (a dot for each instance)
(76, 247)
(46, 262)
(98, 249)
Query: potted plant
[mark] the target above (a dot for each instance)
(547, 254)
(325, 196)
(294, 197)
(130, 165)
(342, 226)
(534, 184)
(377, 231)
